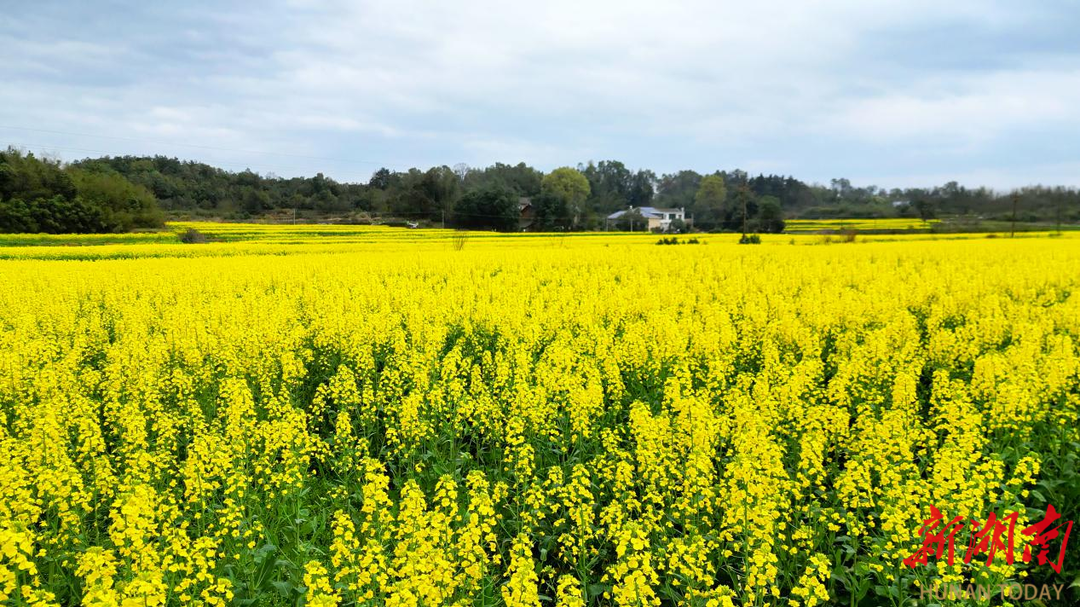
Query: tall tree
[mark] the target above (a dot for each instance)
(493, 207)
(571, 187)
(926, 208)
(521, 178)
(381, 179)
(677, 190)
(551, 213)
(443, 185)
(609, 184)
(743, 208)
(708, 209)
(770, 216)
(642, 188)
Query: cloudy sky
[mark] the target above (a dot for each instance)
(901, 93)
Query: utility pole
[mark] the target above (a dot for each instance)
(743, 196)
(1015, 199)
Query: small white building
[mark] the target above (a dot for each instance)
(657, 219)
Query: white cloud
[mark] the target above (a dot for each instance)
(970, 109)
(818, 88)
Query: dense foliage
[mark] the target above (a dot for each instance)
(119, 193)
(712, 200)
(340, 415)
(493, 205)
(41, 195)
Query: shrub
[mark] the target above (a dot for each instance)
(750, 239)
(193, 236)
(56, 215)
(674, 240)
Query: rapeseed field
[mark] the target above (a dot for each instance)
(295, 416)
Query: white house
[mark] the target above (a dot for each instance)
(657, 219)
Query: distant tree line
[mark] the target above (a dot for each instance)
(41, 195)
(567, 198)
(570, 198)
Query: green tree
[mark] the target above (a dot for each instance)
(444, 185)
(770, 216)
(743, 207)
(411, 198)
(381, 179)
(570, 186)
(41, 195)
(632, 221)
(56, 215)
(610, 185)
(123, 204)
(16, 217)
(642, 188)
(926, 208)
(551, 213)
(27, 177)
(708, 209)
(677, 190)
(523, 179)
(491, 207)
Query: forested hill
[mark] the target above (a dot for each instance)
(184, 185)
(435, 193)
(41, 195)
(125, 192)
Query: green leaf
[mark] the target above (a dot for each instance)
(284, 587)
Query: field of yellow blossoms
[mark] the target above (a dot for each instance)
(320, 415)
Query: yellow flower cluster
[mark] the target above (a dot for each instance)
(387, 417)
